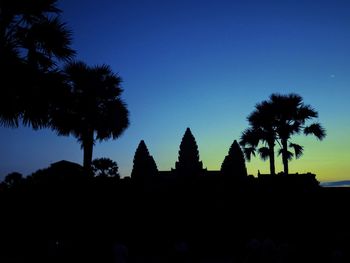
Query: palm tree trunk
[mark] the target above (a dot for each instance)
(272, 159)
(88, 144)
(285, 156)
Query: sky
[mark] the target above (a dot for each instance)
(204, 65)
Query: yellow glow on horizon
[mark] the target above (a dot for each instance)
(328, 159)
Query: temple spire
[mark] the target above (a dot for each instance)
(234, 162)
(188, 162)
(144, 164)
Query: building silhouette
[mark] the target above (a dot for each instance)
(188, 161)
(144, 165)
(234, 162)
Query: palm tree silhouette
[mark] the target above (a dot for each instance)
(93, 109)
(33, 41)
(291, 115)
(276, 121)
(261, 130)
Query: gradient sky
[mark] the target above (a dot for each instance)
(204, 65)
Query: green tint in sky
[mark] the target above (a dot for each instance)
(204, 65)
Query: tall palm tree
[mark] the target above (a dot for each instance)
(291, 115)
(93, 109)
(32, 42)
(260, 131)
(275, 121)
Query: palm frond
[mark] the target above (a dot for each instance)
(113, 120)
(250, 137)
(54, 38)
(298, 149)
(315, 129)
(248, 152)
(306, 112)
(289, 154)
(264, 153)
(9, 121)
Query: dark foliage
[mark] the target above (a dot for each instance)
(274, 122)
(105, 167)
(33, 41)
(261, 130)
(290, 117)
(13, 178)
(93, 108)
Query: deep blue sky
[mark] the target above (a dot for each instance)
(204, 64)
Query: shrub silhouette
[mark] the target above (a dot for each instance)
(105, 167)
(13, 179)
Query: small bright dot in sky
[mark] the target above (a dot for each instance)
(332, 76)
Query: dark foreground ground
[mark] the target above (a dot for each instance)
(206, 221)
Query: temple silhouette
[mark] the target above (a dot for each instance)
(233, 170)
(188, 162)
(185, 214)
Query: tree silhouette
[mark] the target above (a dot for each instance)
(93, 109)
(234, 162)
(291, 115)
(32, 42)
(105, 167)
(144, 165)
(261, 129)
(13, 179)
(188, 162)
(277, 120)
